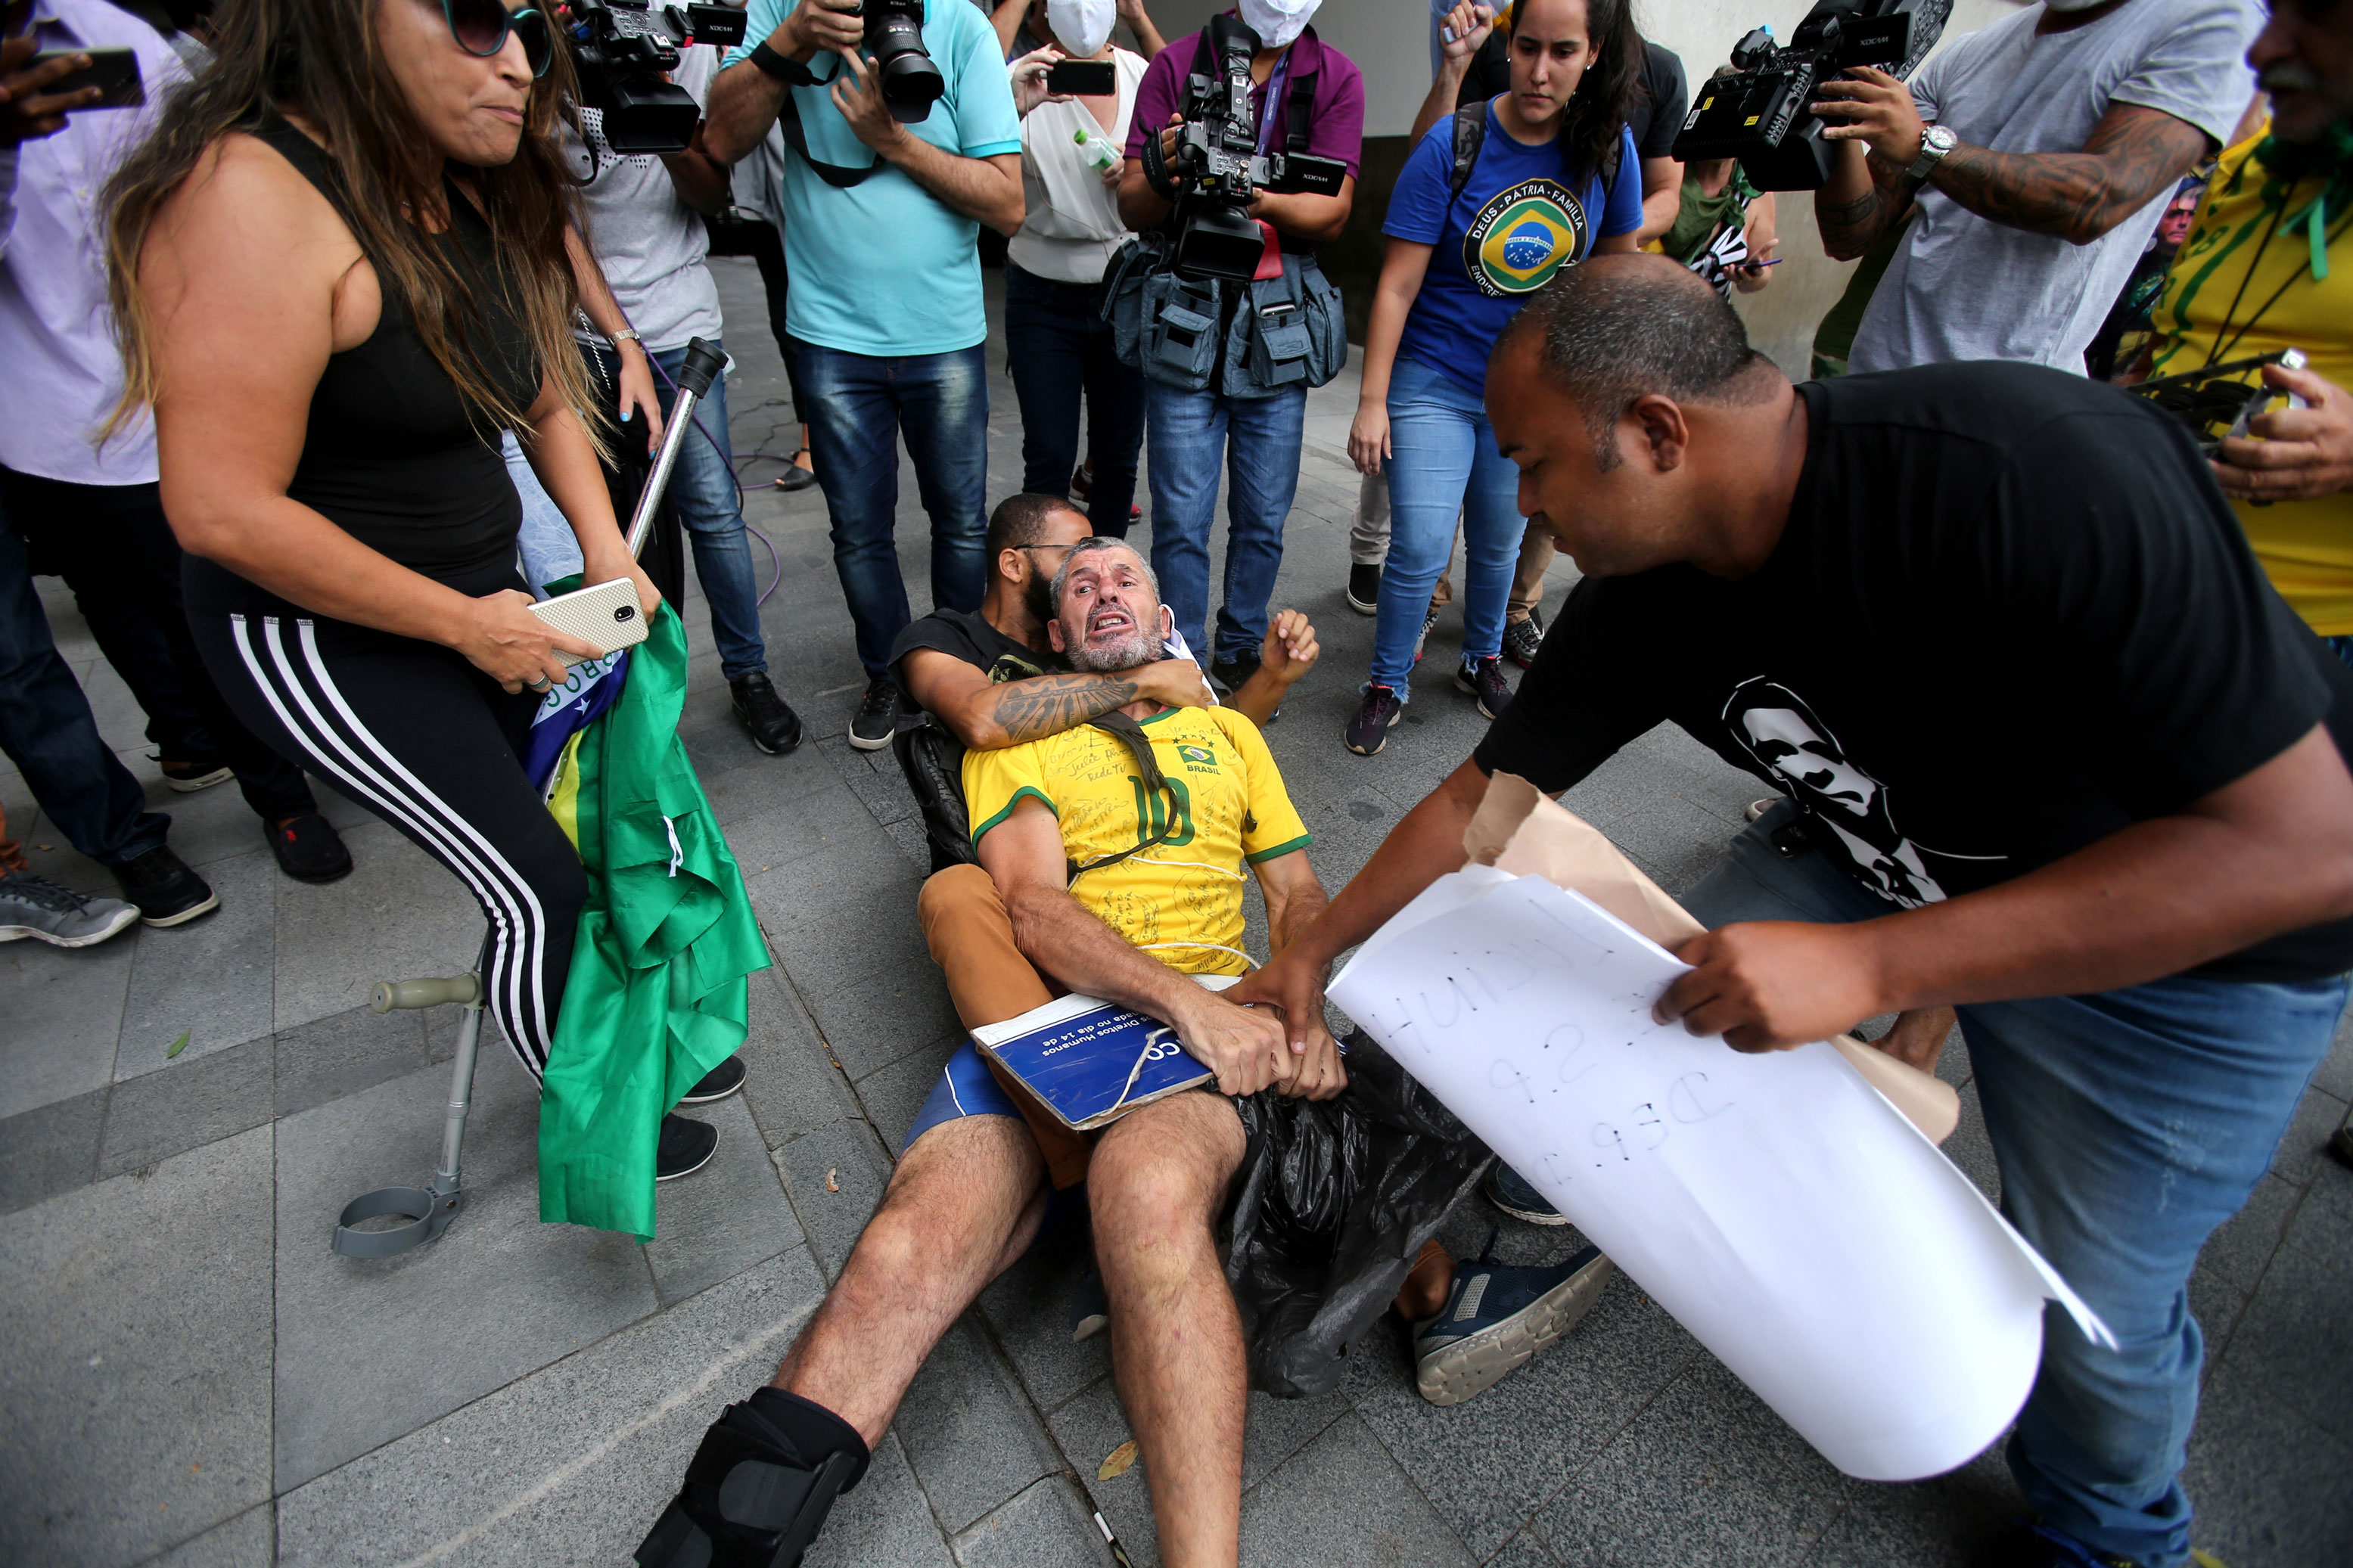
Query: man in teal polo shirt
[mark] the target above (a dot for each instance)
(881, 217)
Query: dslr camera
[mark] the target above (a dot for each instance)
(894, 35)
(624, 47)
(1757, 113)
(1217, 169)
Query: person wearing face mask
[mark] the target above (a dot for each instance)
(2038, 154)
(1220, 415)
(1070, 229)
(1555, 177)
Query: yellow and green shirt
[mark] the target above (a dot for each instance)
(2227, 278)
(1182, 898)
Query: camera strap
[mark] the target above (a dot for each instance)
(1154, 785)
(1298, 103)
(839, 176)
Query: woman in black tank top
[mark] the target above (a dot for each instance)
(340, 273)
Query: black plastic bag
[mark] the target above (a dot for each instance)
(1331, 1204)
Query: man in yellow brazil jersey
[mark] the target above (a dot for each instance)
(2269, 265)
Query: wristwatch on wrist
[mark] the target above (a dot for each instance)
(1934, 142)
(629, 333)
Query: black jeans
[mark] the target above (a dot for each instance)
(766, 246)
(115, 551)
(1058, 346)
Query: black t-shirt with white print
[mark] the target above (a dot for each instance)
(2010, 614)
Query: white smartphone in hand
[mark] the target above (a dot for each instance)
(605, 615)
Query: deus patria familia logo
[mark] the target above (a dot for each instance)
(1523, 236)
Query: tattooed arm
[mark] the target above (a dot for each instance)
(2134, 153)
(986, 716)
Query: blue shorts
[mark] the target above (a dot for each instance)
(966, 1087)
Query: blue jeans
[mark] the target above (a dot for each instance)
(1190, 435)
(711, 510)
(47, 730)
(1442, 463)
(2128, 1124)
(1063, 350)
(858, 405)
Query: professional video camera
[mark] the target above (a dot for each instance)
(2213, 403)
(1217, 169)
(894, 36)
(624, 47)
(1758, 113)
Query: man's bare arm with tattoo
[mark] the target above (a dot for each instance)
(986, 715)
(2133, 154)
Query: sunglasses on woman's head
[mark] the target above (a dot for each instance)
(480, 27)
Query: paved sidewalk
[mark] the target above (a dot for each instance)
(194, 1379)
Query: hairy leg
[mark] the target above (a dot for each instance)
(963, 1205)
(1155, 1184)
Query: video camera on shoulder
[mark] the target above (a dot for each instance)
(624, 47)
(1758, 113)
(1218, 169)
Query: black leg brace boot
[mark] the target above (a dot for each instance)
(759, 1487)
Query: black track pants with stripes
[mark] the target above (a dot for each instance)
(427, 742)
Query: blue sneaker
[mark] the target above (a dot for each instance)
(1509, 1191)
(1496, 1319)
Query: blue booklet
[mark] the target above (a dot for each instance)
(1090, 1061)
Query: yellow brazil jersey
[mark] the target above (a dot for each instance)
(2242, 285)
(1182, 898)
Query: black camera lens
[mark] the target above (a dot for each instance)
(894, 36)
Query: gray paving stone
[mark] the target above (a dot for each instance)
(971, 1436)
(2297, 1338)
(1489, 1463)
(1707, 1466)
(1028, 1307)
(136, 1386)
(1048, 1525)
(886, 1520)
(191, 1102)
(727, 1216)
(873, 776)
(860, 942)
(758, 782)
(844, 1155)
(498, 1296)
(791, 1083)
(893, 1095)
(346, 1052)
(2242, 1246)
(49, 1150)
(2335, 1074)
(248, 1541)
(2318, 1116)
(1342, 1499)
(571, 1464)
(780, 836)
(214, 980)
(65, 1014)
(2272, 1489)
(397, 916)
(1969, 1519)
(1523, 1550)
(897, 1011)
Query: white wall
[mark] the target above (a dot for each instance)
(1390, 40)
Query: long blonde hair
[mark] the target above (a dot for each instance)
(319, 59)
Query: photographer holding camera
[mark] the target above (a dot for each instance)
(648, 295)
(2040, 153)
(1228, 351)
(897, 159)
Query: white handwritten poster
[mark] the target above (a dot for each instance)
(1776, 1205)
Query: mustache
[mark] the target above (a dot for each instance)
(2288, 76)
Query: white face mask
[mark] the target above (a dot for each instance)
(1277, 22)
(1082, 26)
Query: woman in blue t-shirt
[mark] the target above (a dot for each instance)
(1556, 179)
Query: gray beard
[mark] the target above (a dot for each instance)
(1139, 647)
